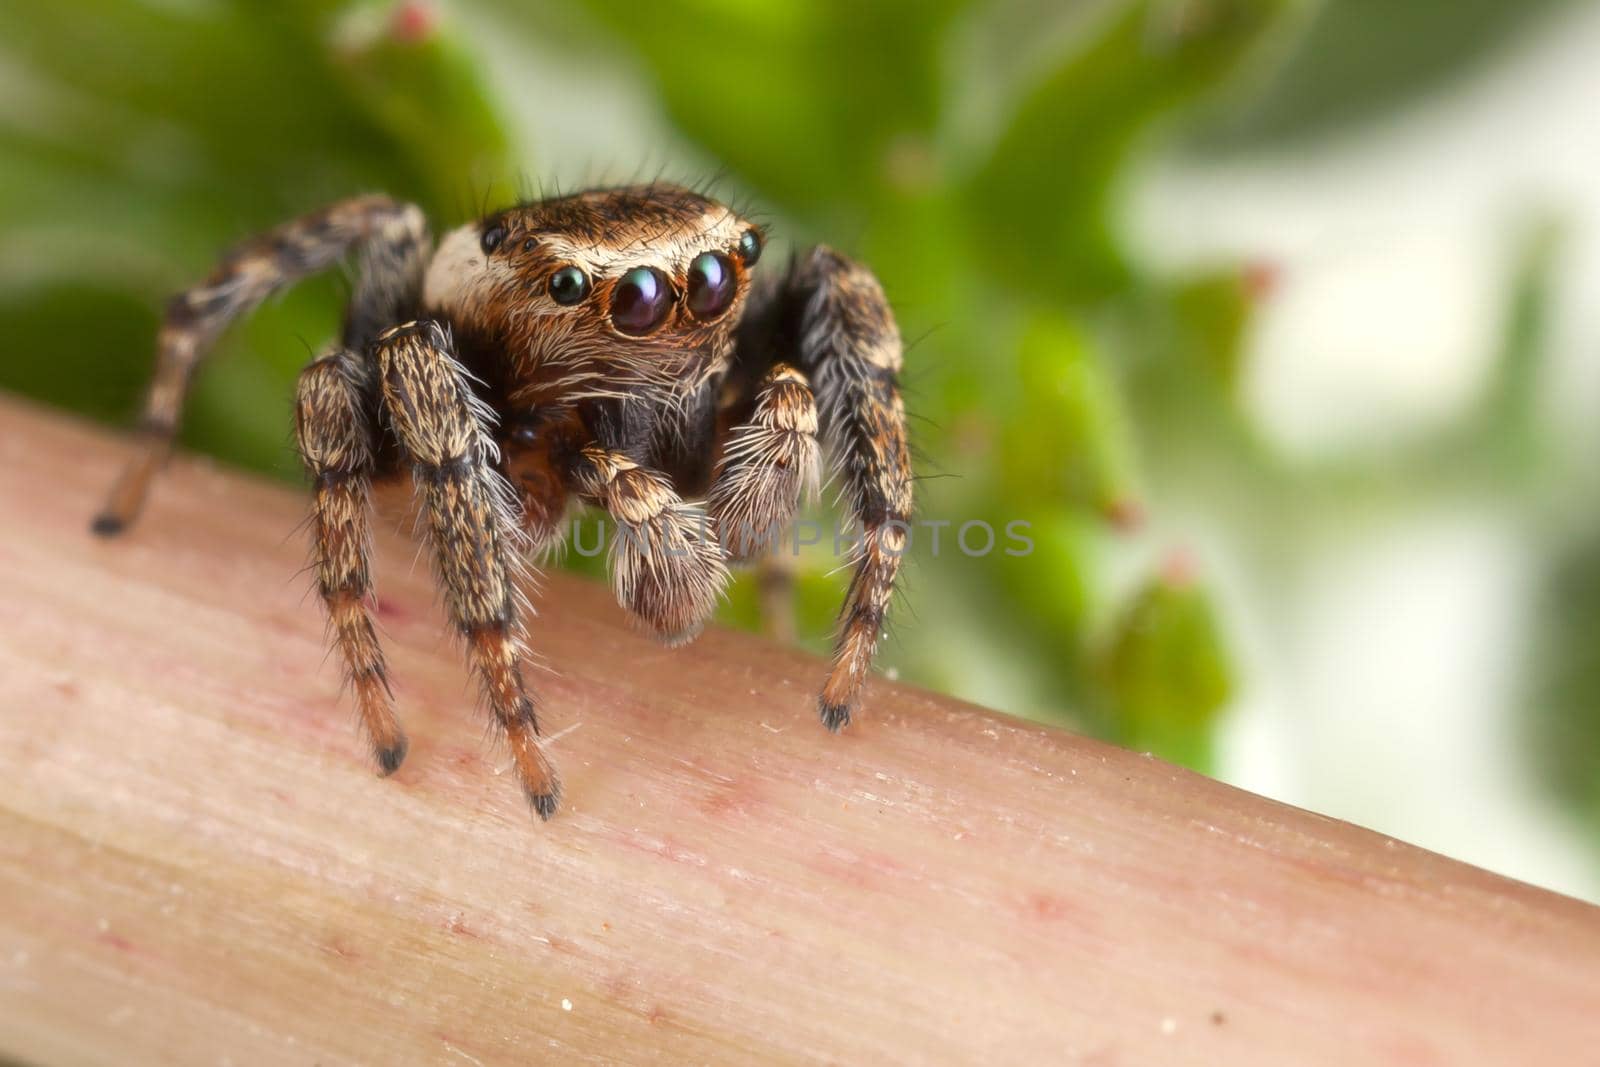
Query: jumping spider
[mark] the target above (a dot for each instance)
(608, 348)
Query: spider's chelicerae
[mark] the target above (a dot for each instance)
(609, 348)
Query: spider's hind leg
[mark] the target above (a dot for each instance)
(396, 240)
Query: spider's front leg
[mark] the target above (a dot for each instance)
(442, 431)
(666, 567)
(833, 315)
(335, 426)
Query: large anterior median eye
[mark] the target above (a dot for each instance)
(568, 285)
(711, 285)
(640, 301)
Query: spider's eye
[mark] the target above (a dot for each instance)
(750, 247)
(711, 285)
(641, 299)
(492, 238)
(568, 285)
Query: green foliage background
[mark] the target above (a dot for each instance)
(972, 153)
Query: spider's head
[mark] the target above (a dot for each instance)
(640, 284)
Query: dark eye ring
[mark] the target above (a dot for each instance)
(750, 247)
(568, 286)
(492, 238)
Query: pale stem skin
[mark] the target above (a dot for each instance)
(198, 865)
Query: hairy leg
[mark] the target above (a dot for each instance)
(666, 565)
(834, 318)
(395, 237)
(768, 465)
(470, 513)
(335, 428)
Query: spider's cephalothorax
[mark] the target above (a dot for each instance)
(608, 348)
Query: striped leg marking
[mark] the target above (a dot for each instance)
(471, 516)
(395, 239)
(334, 426)
(850, 347)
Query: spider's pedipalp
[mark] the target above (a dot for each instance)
(335, 405)
(666, 566)
(769, 465)
(437, 420)
(396, 239)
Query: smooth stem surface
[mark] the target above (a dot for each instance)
(198, 865)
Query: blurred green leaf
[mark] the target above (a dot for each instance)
(817, 104)
(1067, 437)
(1042, 206)
(84, 378)
(1213, 311)
(143, 139)
(1503, 430)
(1044, 576)
(184, 99)
(1167, 671)
(1362, 59)
(426, 90)
(1562, 724)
